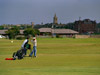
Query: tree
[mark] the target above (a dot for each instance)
(13, 32)
(1, 27)
(31, 31)
(70, 25)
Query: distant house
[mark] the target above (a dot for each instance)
(21, 32)
(60, 32)
(85, 26)
(2, 32)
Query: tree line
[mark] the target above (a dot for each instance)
(48, 25)
(13, 32)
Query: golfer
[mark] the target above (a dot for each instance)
(34, 42)
(24, 45)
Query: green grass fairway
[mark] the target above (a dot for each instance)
(55, 56)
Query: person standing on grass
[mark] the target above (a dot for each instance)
(34, 42)
(24, 45)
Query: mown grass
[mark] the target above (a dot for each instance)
(55, 56)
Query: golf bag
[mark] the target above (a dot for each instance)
(21, 53)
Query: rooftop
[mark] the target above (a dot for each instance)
(58, 31)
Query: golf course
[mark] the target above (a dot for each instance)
(55, 56)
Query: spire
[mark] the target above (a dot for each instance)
(55, 15)
(55, 19)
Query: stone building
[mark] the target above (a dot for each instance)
(85, 26)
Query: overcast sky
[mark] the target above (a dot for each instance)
(37, 11)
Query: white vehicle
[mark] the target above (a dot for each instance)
(1, 36)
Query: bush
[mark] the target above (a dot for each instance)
(20, 38)
(57, 36)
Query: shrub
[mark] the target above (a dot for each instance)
(20, 38)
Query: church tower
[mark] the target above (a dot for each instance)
(55, 19)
